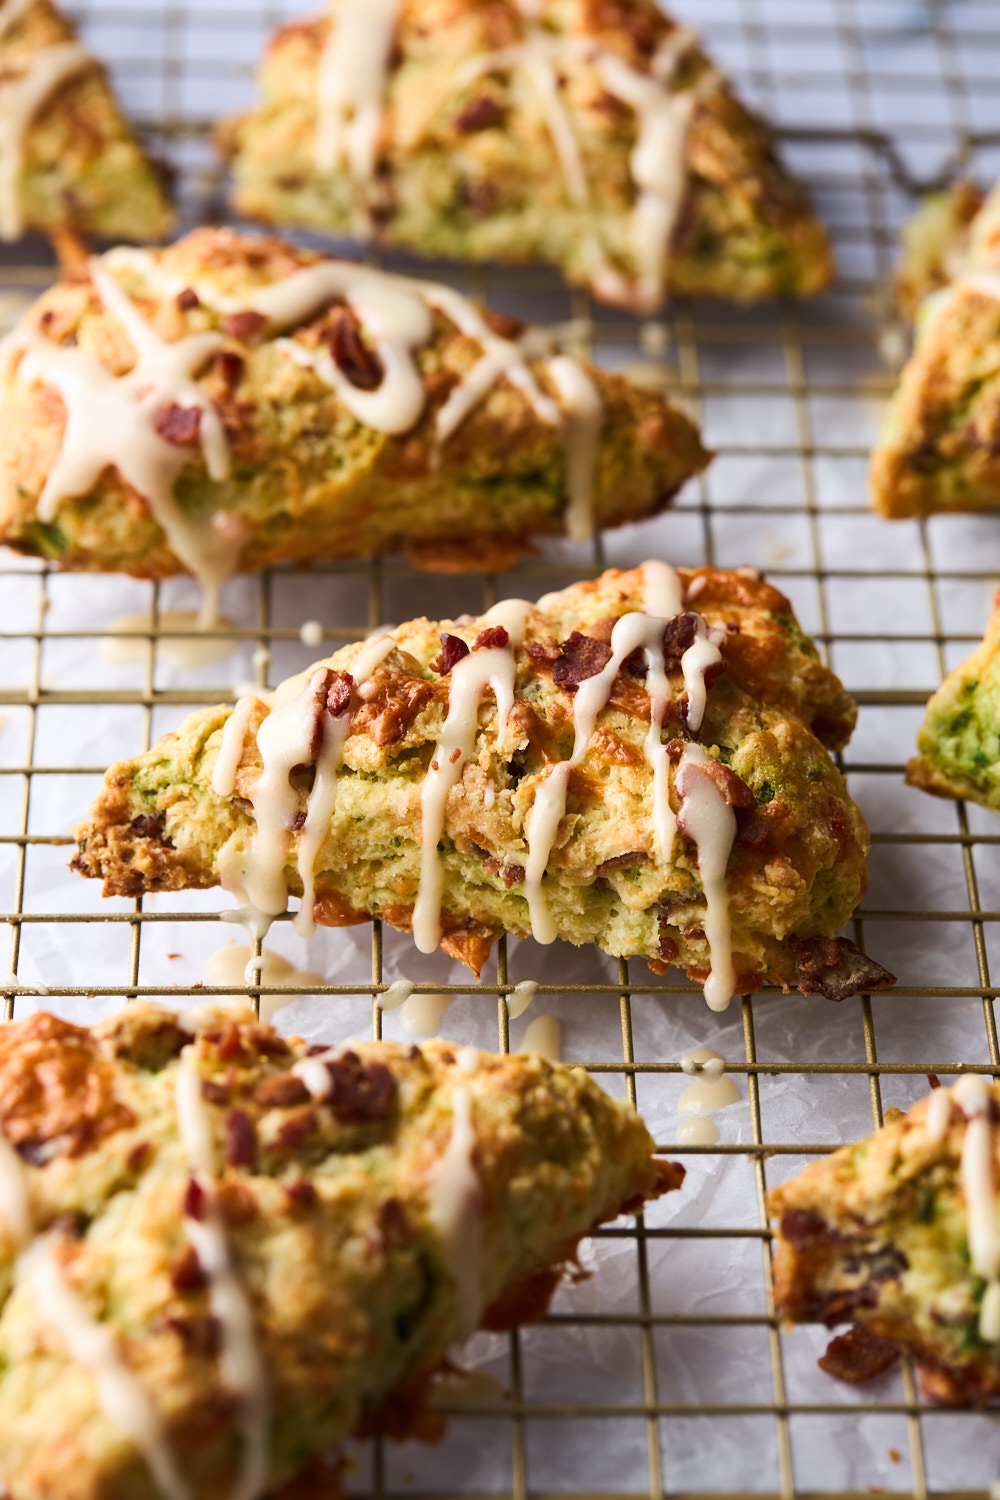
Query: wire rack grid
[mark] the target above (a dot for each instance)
(668, 1374)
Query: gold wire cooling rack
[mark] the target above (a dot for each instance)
(875, 100)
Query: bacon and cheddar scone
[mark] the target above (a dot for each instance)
(595, 136)
(958, 746)
(68, 159)
(638, 761)
(232, 402)
(900, 1233)
(223, 1253)
(939, 447)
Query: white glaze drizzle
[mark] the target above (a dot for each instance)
(710, 1089)
(89, 1343)
(583, 416)
(937, 1116)
(315, 1074)
(230, 966)
(521, 997)
(110, 423)
(982, 1207)
(699, 1130)
(351, 88)
(423, 1013)
(455, 1210)
(493, 667)
(323, 796)
(396, 995)
(710, 823)
(231, 746)
(544, 1036)
(240, 1360)
(630, 632)
(702, 653)
(28, 83)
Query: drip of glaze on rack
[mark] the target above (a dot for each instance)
(351, 92)
(978, 1167)
(26, 85)
(286, 739)
(113, 421)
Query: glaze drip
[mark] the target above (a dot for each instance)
(455, 1210)
(351, 88)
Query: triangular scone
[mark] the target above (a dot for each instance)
(705, 826)
(959, 741)
(68, 159)
(898, 1233)
(599, 138)
(284, 408)
(222, 1254)
(940, 444)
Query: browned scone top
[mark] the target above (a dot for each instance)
(592, 134)
(371, 1204)
(284, 407)
(406, 716)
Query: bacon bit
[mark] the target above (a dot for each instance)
(180, 425)
(296, 1127)
(805, 1229)
(394, 1221)
(339, 693)
(580, 657)
(617, 861)
(678, 634)
(194, 1200)
(237, 1204)
(493, 635)
(835, 968)
(752, 827)
(301, 1194)
(933, 1081)
(187, 299)
(543, 651)
(352, 356)
(509, 874)
(479, 114)
(138, 1156)
(733, 788)
(230, 366)
(858, 1355)
(244, 325)
(453, 649)
(214, 1093)
(282, 1092)
(359, 1093)
(198, 1335)
(186, 1273)
(505, 325)
(241, 1139)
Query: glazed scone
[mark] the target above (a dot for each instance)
(638, 762)
(594, 135)
(939, 445)
(958, 747)
(279, 407)
(898, 1233)
(68, 159)
(222, 1253)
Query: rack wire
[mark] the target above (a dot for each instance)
(874, 102)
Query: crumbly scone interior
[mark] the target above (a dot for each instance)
(598, 138)
(223, 1253)
(638, 761)
(899, 1234)
(281, 406)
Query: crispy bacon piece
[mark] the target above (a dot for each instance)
(339, 693)
(733, 788)
(241, 1139)
(187, 299)
(244, 325)
(858, 1355)
(835, 968)
(493, 635)
(359, 1093)
(194, 1200)
(352, 356)
(282, 1092)
(543, 652)
(230, 367)
(186, 1274)
(509, 874)
(805, 1229)
(580, 657)
(678, 634)
(453, 648)
(180, 425)
(480, 114)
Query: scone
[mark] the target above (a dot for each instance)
(222, 1254)
(597, 137)
(638, 762)
(936, 244)
(939, 447)
(68, 159)
(899, 1234)
(958, 747)
(233, 402)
